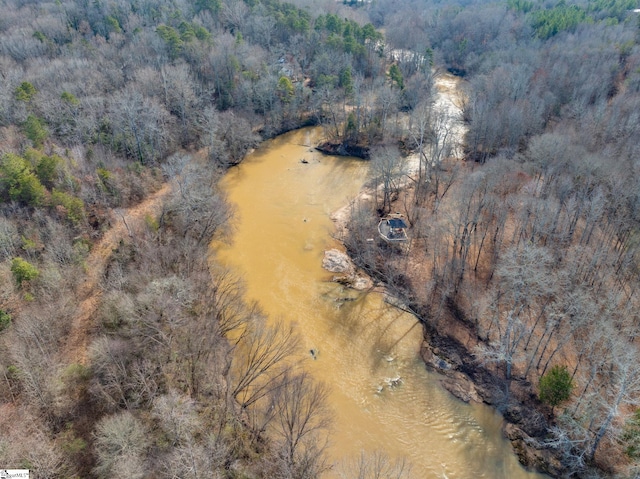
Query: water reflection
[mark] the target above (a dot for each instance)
(367, 351)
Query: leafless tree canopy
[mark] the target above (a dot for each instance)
(128, 352)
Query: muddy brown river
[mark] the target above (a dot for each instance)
(283, 228)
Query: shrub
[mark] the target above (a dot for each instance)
(104, 175)
(28, 191)
(108, 182)
(48, 169)
(74, 207)
(30, 246)
(35, 129)
(556, 386)
(5, 320)
(631, 436)
(18, 182)
(23, 271)
(74, 445)
(38, 35)
(75, 374)
(25, 92)
(152, 223)
(285, 89)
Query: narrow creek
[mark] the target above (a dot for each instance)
(283, 227)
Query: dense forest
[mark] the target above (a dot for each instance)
(530, 244)
(129, 352)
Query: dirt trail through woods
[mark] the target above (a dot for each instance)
(124, 221)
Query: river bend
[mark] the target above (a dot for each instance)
(283, 228)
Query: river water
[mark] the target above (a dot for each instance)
(283, 228)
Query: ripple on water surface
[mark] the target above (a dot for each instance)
(368, 352)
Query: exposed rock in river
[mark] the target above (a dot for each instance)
(461, 387)
(336, 261)
(454, 381)
(344, 149)
(524, 426)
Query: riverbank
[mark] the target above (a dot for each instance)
(361, 345)
(448, 349)
(344, 149)
(450, 341)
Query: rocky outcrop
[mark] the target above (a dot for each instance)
(344, 149)
(454, 381)
(461, 387)
(524, 425)
(336, 261)
(532, 453)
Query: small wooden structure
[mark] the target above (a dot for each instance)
(393, 228)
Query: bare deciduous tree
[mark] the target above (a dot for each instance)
(120, 379)
(194, 210)
(524, 282)
(120, 441)
(300, 425)
(375, 465)
(387, 169)
(260, 358)
(194, 452)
